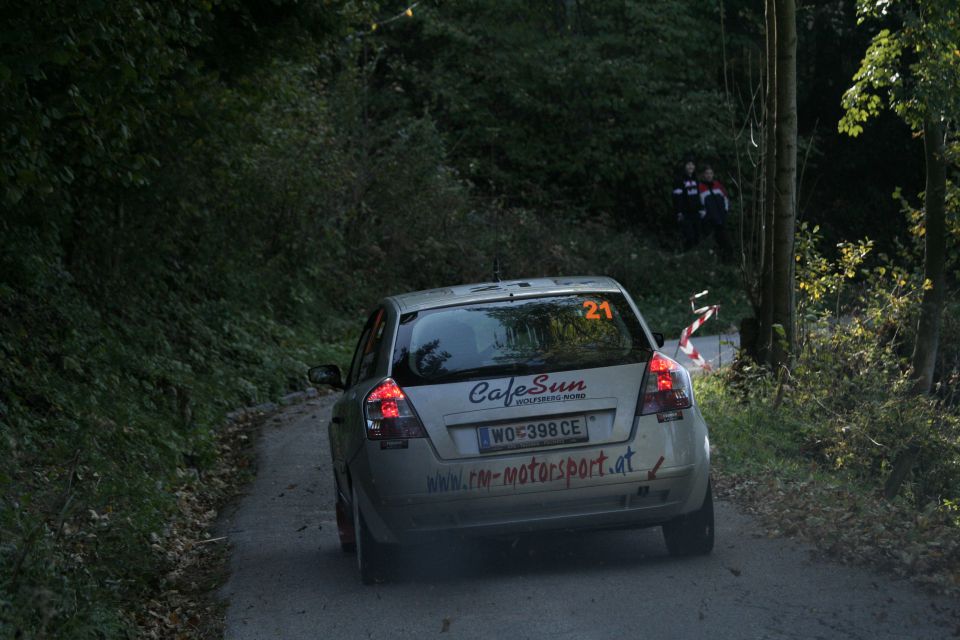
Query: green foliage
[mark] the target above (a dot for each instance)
(738, 413)
(818, 277)
(847, 405)
(132, 315)
(870, 413)
(94, 75)
(910, 253)
(99, 413)
(916, 65)
(588, 107)
(876, 71)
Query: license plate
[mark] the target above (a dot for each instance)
(533, 433)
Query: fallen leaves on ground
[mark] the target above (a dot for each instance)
(185, 607)
(854, 527)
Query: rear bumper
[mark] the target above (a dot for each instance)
(617, 505)
(660, 473)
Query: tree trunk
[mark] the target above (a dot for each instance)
(765, 321)
(934, 255)
(784, 308)
(931, 308)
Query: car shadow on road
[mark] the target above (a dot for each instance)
(531, 555)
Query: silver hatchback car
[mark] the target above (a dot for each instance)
(511, 407)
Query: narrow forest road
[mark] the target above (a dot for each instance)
(290, 580)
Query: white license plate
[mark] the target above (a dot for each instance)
(533, 433)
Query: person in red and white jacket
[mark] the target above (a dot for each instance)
(714, 207)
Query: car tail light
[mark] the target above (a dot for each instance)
(667, 387)
(390, 415)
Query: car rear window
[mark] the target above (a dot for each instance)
(519, 336)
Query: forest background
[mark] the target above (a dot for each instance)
(201, 198)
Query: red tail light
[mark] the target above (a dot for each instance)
(390, 415)
(667, 386)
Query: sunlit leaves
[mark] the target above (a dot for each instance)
(816, 275)
(877, 71)
(848, 398)
(914, 66)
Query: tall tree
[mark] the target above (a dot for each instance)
(775, 326)
(784, 309)
(916, 67)
(764, 340)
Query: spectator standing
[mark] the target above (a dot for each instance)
(686, 204)
(715, 204)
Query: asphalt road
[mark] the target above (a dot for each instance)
(290, 580)
(717, 351)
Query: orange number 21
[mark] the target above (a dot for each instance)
(592, 308)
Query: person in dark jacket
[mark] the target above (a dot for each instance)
(686, 204)
(715, 204)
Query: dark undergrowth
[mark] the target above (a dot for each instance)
(132, 324)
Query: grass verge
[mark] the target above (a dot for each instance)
(761, 462)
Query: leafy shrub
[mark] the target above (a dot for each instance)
(848, 396)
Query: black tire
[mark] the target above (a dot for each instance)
(346, 532)
(371, 558)
(692, 534)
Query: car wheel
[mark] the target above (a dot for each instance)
(370, 554)
(692, 534)
(345, 528)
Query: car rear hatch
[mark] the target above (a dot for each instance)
(501, 376)
(497, 416)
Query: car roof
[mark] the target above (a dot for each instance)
(487, 291)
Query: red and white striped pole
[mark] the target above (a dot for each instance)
(704, 313)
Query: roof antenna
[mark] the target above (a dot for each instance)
(496, 241)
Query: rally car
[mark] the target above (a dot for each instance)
(513, 407)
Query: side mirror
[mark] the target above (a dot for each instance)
(658, 337)
(326, 374)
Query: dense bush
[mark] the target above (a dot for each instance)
(565, 106)
(847, 404)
